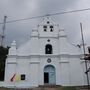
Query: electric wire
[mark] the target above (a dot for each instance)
(64, 12)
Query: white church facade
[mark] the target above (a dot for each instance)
(46, 59)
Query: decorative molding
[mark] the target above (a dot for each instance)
(63, 36)
(11, 56)
(64, 61)
(44, 55)
(56, 36)
(34, 62)
(11, 62)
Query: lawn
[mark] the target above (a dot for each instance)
(69, 88)
(59, 88)
(66, 88)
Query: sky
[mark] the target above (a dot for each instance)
(20, 31)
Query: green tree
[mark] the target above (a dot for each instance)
(3, 56)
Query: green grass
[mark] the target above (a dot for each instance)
(66, 88)
(69, 88)
(59, 88)
(1, 88)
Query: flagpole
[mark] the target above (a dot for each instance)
(83, 44)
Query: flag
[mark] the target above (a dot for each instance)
(15, 77)
(12, 78)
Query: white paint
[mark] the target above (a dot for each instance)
(30, 59)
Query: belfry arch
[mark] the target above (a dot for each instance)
(48, 49)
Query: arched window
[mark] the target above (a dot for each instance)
(45, 28)
(51, 28)
(48, 49)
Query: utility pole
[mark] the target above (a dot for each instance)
(3, 31)
(83, 44)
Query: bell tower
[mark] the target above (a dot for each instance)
(47, 28)
(48, 36)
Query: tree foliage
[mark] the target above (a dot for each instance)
(3, 56)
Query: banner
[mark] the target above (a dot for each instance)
(15, 77)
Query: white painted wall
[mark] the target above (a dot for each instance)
(30, 59)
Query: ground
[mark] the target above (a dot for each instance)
(48, 88)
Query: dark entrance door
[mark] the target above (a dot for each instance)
(49, 75)
(46, 77)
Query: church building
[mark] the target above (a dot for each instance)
(47, 58)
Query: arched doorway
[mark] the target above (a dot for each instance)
(49, 75)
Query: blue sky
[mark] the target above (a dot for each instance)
(20, 31)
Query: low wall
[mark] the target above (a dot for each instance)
(2, 84)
